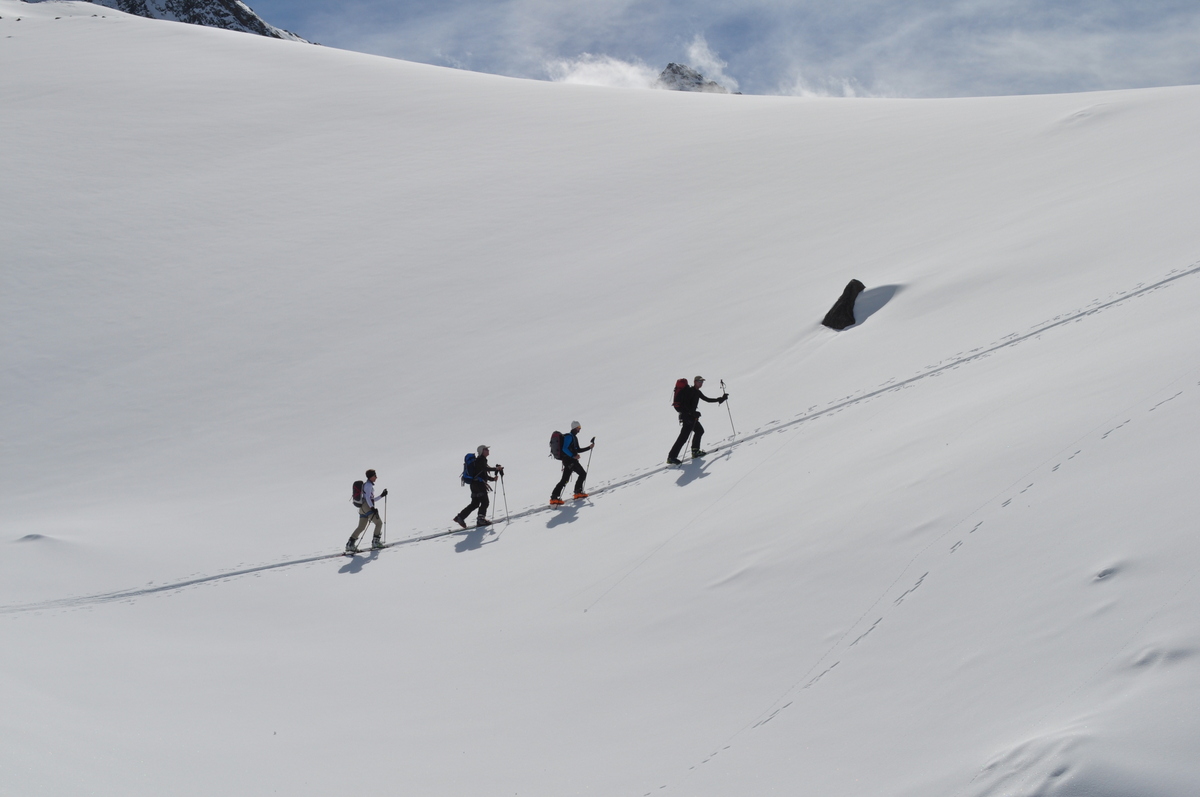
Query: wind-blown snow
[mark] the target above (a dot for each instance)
(951, 551)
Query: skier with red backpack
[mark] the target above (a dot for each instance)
(363, 497)
(566, 448)
(687, 399)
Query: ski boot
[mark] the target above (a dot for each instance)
(580, 496)
(376, 544)
(556, 502)
(697, 453)
(673, 461)
(460, 522)
(351, 549)
(482, 522)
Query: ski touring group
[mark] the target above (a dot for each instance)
(566, 448)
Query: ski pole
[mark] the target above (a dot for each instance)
(590, 450)
(504, 492)
(725, 393)
(385, 520)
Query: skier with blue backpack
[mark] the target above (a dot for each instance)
(566, 448)
(475, 475)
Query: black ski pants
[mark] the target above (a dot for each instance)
(570, 466)
(691, 428)
(479, 499)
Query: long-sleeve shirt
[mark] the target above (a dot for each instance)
(368, 499)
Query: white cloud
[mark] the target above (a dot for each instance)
(922, 48)
(705, 61)
(603, 70)
(801, 86)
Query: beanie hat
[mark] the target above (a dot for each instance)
(575, 425)
(479, 451)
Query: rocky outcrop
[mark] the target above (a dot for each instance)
(228, 14)
(681, 77)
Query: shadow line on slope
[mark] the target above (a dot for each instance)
(955, 361)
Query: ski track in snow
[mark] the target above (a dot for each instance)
(891, 385)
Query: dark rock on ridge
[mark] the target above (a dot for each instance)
(227, 14)
(681, 77)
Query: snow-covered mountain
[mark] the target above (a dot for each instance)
(950, 551)
(681, 77)
(227, 14)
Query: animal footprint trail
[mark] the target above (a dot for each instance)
(822, 674)
(773, 714)
(1164, 401)
(911, 589)
(863, 635)
(1115, 428)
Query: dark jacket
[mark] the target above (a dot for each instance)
(477, 470)
(689, 399)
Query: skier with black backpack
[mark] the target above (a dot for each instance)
(687, 399)
(362, 495)
(566, 448)
(475, 474)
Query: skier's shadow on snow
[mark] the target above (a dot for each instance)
(473, 541)
(694, 469)
(564, 515)
(356, 563)
(871, 301)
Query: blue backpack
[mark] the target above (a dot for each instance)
(468, 461)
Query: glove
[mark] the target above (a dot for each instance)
(384, 493)
(723, 399)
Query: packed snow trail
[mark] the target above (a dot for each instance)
(728, 444)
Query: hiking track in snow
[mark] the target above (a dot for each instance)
(813, 413)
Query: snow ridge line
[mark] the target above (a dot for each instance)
(1010, 340)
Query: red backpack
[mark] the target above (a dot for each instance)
(556, 445)
(680, 384)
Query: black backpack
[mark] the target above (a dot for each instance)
(356, 493)
(556, 445)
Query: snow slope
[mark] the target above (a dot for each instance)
(952, 550)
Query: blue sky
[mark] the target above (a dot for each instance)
(924, 48)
